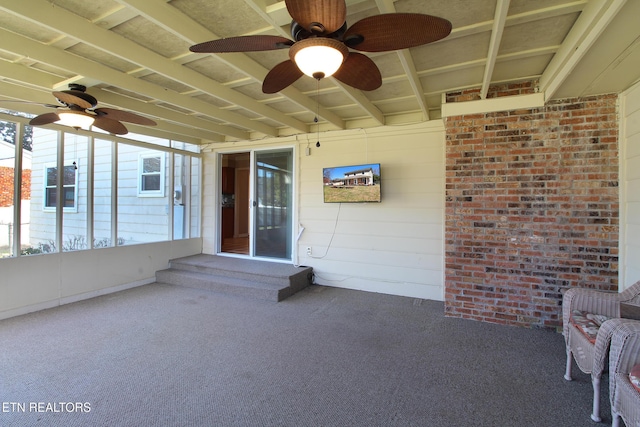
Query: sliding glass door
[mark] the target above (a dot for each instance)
(273, 195)
(256, 194)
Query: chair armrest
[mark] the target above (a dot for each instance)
(596, 302)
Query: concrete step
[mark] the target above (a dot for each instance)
(245, 277)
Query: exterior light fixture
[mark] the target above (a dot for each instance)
(318, 57)
(75, 119)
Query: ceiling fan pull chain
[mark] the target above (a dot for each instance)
(316, 119)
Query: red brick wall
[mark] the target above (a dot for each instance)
(6, 186)
(531, 208)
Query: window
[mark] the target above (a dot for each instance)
(151, 173)
(69, 184)
(142, 206)
(126, 200)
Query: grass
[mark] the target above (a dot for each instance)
(370, 193)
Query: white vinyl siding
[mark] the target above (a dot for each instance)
(139, 218)
(395, 246)
(142, 215)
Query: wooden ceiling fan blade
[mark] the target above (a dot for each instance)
(110, 125)
(124, 116)
(242, 44)
(281, 76)
(360, 72)
(44, 119)
(72, 97)
(330, 14)
(395, 31)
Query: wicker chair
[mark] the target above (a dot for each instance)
(625, 354)
(590, 354)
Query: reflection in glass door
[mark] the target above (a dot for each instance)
(272, 211)
(234, 196)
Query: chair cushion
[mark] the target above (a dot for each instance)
(634, 377)
(588, 323)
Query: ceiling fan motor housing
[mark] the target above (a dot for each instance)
(298, 32)
(74, 97)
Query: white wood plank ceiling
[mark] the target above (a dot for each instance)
(134, 55)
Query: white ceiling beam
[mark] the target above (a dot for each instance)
(167, 115)
(118, 14)
(206, 85)
(261, 8)
(112, 18)
(547, 50)
(593, 20)
(63, 42)
(629, 50)
(30, 96)
(504, 103)
(31, 77)
(443, 93)
(500, 16)
(547, 12)
(277, 12)
(414, 80)
(72, 25)
(520, 18)
(36, 96)
(361, 101)
(12, 42)
(387, 6)
(116, 138)
(174, 132)
(171, 19)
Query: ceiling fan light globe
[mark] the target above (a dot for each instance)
(75, 119)
(318, 57)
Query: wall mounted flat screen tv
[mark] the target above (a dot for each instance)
(352, 184)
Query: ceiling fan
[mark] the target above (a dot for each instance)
(322, 41)
(78, 111)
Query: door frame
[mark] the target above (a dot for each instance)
(252, 174)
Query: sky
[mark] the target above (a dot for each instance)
(339, 171)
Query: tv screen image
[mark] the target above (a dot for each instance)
(352, 184)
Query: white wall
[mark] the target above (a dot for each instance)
(630, 187)
(36, 282)
(393, 247)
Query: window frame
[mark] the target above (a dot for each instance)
(162, 174)
(45, 194)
